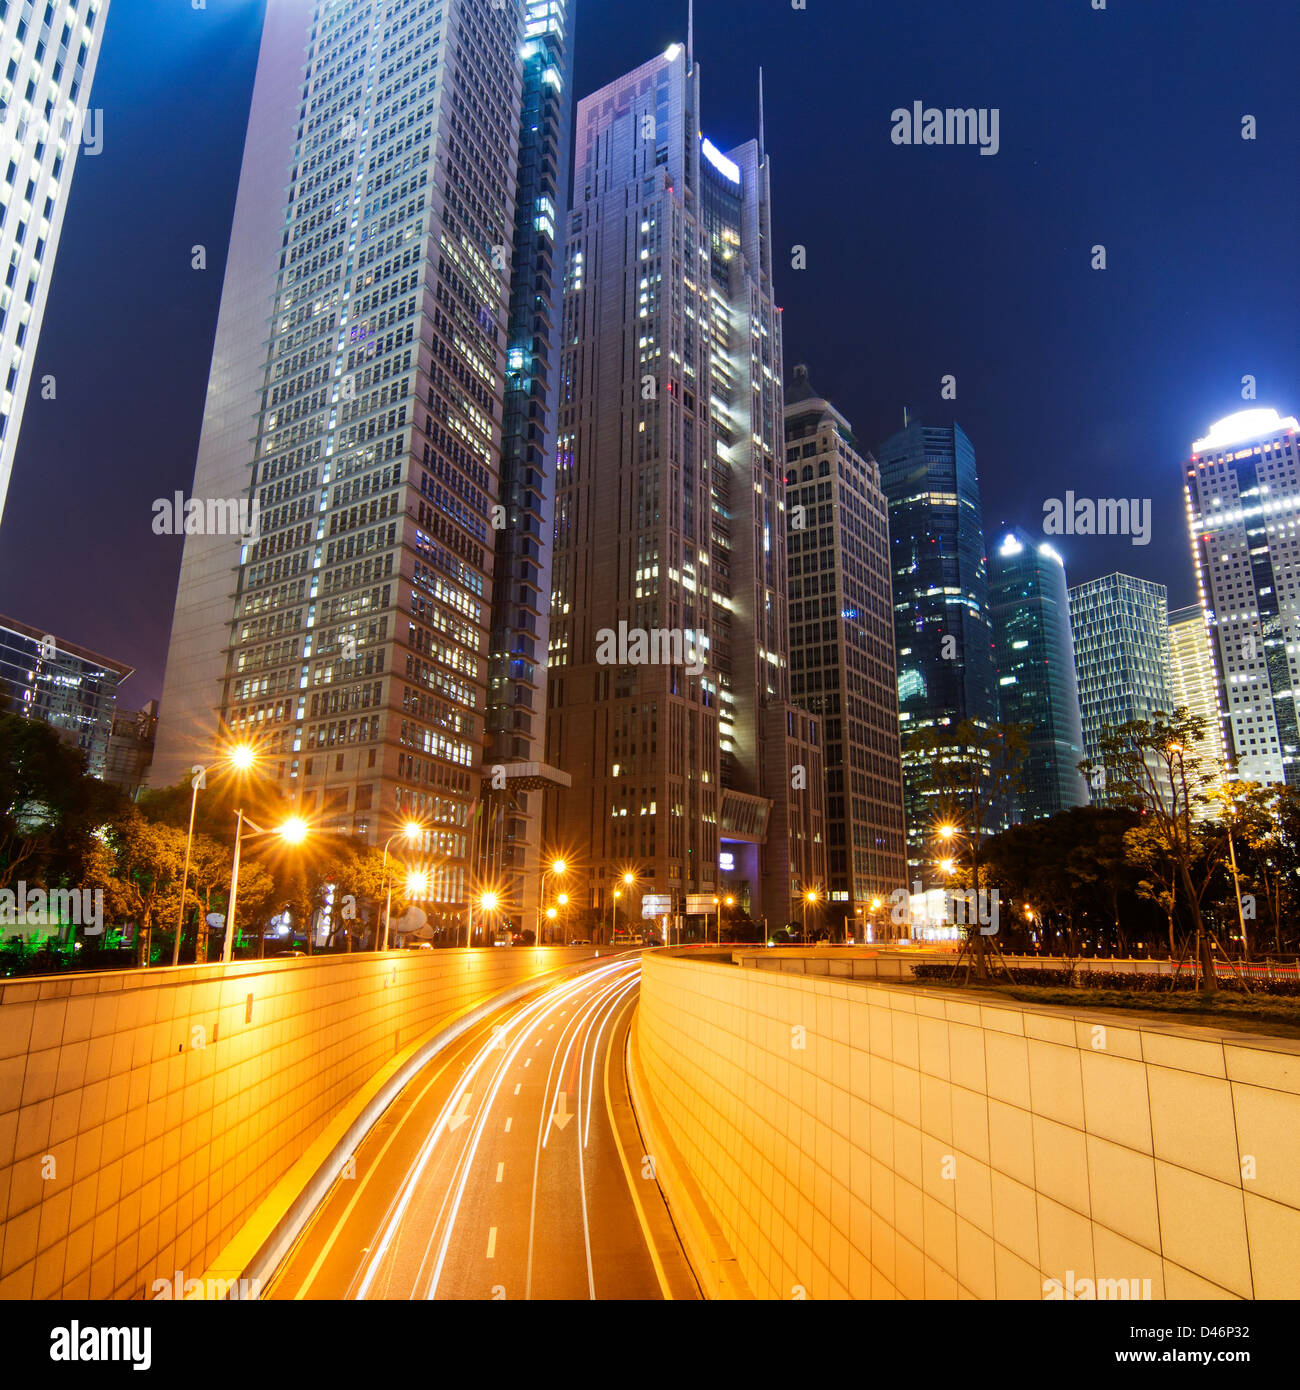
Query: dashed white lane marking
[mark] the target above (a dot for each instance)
(508, 1124)
(501, 1171)
(519, 1087)
(492, 1243)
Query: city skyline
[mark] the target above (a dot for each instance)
(1136, 406)
(686, 770)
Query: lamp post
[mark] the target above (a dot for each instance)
(410, 832)
(241, 757)
(1231, 806)
(292, 832)
(629, 880)
(558, 868)
(487, 904)
(562, 901)
(729, 902)
(197, 782)
(875, 907)
(810, 897)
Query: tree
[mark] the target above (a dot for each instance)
(148, 862)
(1264, 821)
(1155, 765)
(49, 805)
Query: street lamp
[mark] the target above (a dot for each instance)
(487, 904)
(1230, 804)
(809, 897)
(411, 831)
(729, 901)
(628, 879)
(198, 782)
(241, 757)
(292, 832)
(562, 900)
(558, 868)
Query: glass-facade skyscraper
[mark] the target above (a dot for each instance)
(1121, 654)
(50, 50)
(381, 387)
(942, 628)
(1030, 607)
(67, 686)
(1242, 490)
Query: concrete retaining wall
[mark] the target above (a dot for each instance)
(859, 1140)
(145, 1114)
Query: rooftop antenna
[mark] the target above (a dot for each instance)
(762, 143)
(690, 35)
(904, 417)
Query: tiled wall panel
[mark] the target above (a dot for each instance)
(145, 1114)
(858, 1140)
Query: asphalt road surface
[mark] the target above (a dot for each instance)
(505, 1169)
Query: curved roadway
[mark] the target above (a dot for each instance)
(509, 1167)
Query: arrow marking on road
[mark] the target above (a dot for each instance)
(462, 1113)
(561, 1115)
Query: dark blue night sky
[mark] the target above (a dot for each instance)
(1120, 127)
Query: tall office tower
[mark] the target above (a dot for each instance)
(942, 629)
(1121, 654)
(1242, 489)
(51, 51)
(1034, 645)
(508, 843)
(669, 655)
(358, 393)
(72, 689)
(1192, 680)
(842, 665)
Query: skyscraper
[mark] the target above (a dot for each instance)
(1193, 684)
(842, 665)
(690, 766)
(1121, 654)
(510, 821)
(1242, 489)
(51, 50)
(373, 359)
(942, 629)
(1030, 608)
(67, 686)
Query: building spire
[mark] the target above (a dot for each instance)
(762, 143)
(690, 35)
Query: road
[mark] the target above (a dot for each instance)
(505, 1169)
